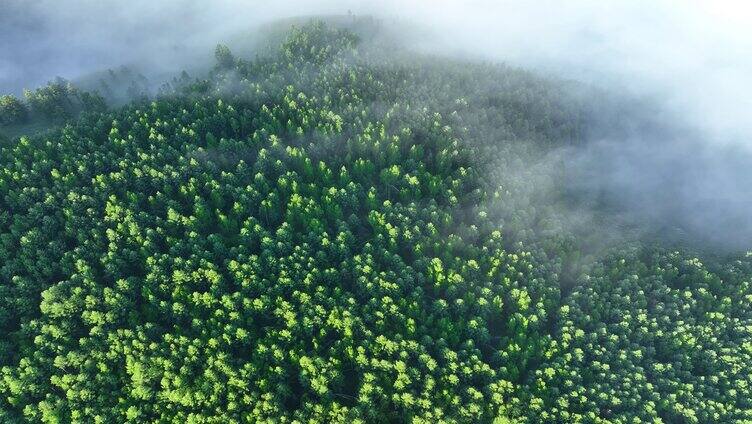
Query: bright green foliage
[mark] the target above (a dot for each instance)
(300, 258)
(307, 238)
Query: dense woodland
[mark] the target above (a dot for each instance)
(329, 233)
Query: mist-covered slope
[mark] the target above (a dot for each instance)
(340, 231)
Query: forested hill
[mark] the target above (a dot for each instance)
(331, 232)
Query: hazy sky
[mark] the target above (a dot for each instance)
(695, 54)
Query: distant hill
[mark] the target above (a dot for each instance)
(340, 230)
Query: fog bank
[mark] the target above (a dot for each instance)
(688, 59)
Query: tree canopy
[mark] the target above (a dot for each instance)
(324, 234)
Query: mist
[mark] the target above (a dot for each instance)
(682, 166)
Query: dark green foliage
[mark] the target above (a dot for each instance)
(12, 110)
(60, 100)
(317, 43)
(316, 243)
(224, 57)
(46, 108)
(659, 338)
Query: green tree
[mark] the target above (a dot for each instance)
(223, 56)
(12, 110)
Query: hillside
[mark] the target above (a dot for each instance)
(337, 232)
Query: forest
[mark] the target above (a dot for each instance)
(338, 230)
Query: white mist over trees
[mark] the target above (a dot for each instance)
(688, 61)
(365, 217)
(694, 55)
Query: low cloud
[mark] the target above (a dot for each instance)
(689, 168)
